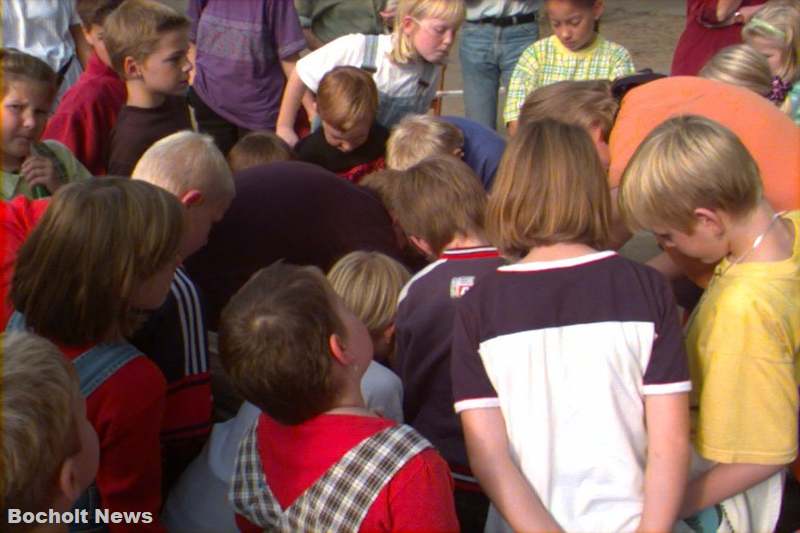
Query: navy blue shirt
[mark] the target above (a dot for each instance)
(483, 148)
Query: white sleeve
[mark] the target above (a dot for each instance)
(74, 18)
(346, 50)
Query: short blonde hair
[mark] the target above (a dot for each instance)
(403, 51)
(550, 188)
(740, 65)
(39, 424)
(134, 28)
(369, 283)
(184, 161)
(258, 148)
(19, 66)
(437, 199)
(347, 96)
(416, 137)
(587, 104)
(779, 22)
(686, 163)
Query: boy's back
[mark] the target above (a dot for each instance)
(295, 458)
(138, 128)
(567, 349)
(424, 333)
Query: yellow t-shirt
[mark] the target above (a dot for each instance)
(743, 343)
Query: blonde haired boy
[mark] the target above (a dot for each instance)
(349, 142)
(49, 449)
(743, 339)
(440, 205)
(417, 137)
(148, 45)
(191, 167)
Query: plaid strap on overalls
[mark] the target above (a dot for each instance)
(336, 502)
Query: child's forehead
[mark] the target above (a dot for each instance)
(21, 86)
(177, 38)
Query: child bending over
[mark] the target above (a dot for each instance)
(742, 338)
(349, 142)
(405, 65)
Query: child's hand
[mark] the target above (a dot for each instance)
(39, 170)
(287, 134)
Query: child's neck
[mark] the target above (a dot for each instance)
(760, 237)
(558, 251)
(466, 241)
(141, 96)
(350, 402)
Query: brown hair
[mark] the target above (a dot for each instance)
(347, 96)
(274, 342)
(437, 199)
(586, 104)
(258, 148)
(38, 423)
(550, 188)
(95, 12)
(96, 243)
(693, 162)
(19, 66)
(134, 28)
(416, 137)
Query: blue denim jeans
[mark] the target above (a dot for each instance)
(488, 57)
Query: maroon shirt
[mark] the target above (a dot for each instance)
(698, 43)
(87, 114)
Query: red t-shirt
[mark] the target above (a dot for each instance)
(18, 217)
(87, 113)
(126, 411)
(418, 498)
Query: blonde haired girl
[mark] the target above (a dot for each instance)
(743, 66)
(406, 65)
(775, 32)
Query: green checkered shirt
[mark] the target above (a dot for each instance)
(547, 61)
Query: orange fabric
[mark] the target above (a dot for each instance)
(770, 136)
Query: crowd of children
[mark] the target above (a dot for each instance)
(330, 310)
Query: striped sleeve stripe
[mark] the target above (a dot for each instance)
(192, 326)
(477, 403)
(667, 388)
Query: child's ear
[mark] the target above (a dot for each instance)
(338, 349)
(131, 68)
(407, 25)
(709, 219)
(598, 8)
(69, 488)
(192, 197)
(422, 245)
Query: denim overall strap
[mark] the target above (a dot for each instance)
(370, 54)
(340, 499)
(96, 365)
(16, 322)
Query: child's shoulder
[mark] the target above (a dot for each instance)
(612, 48)
(455, 271)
